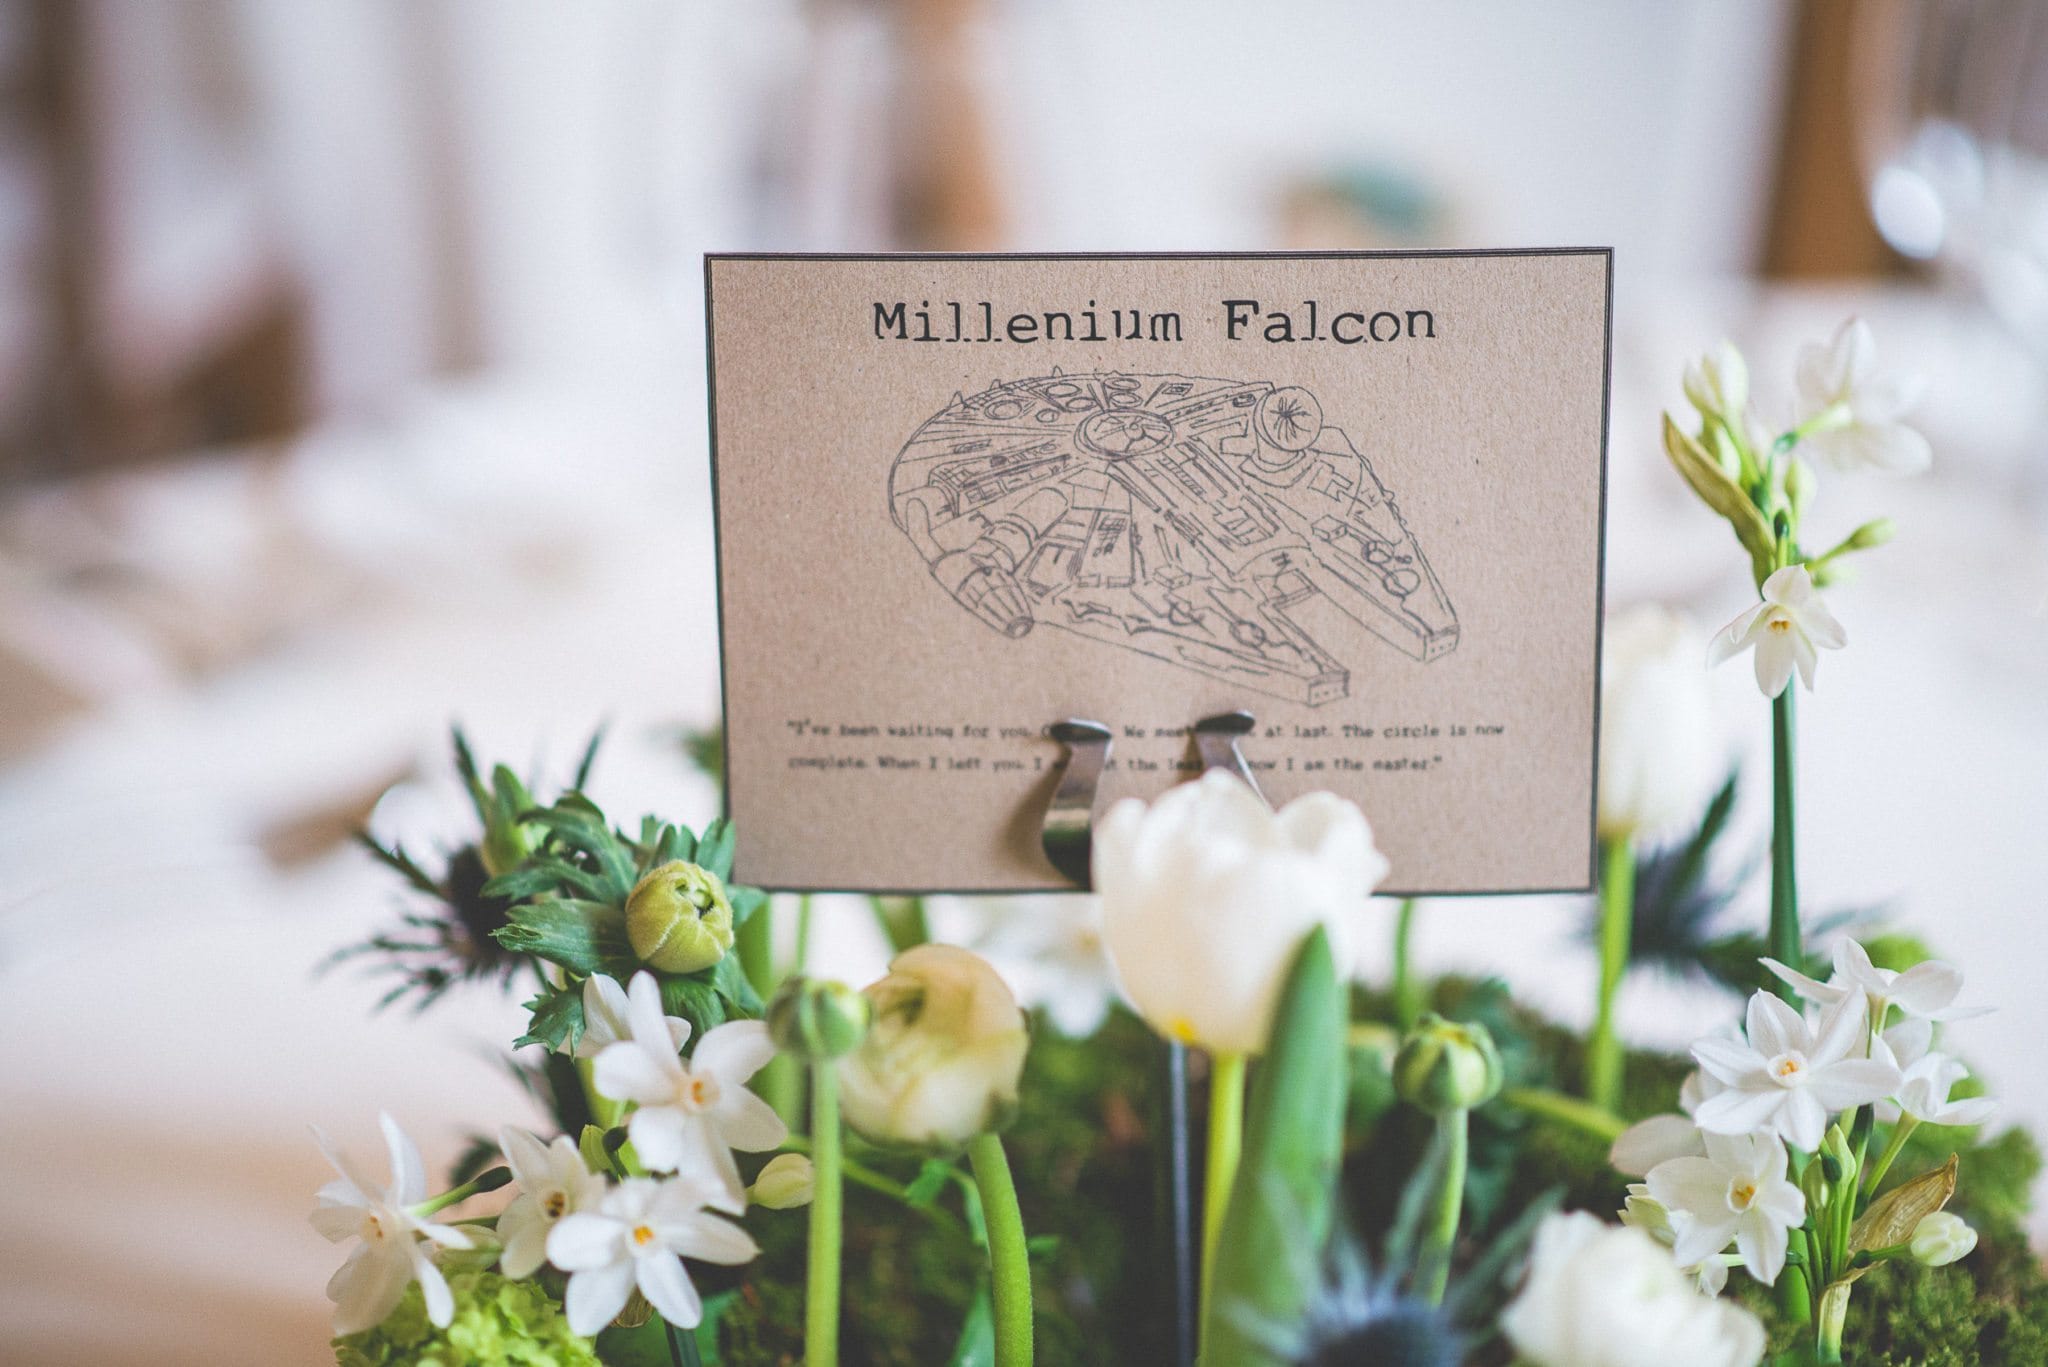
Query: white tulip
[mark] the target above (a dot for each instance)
(1657, 749)
(1207, 895)
(940, 1063)
(1600, 1295)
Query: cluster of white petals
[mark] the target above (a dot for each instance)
(395, 1246)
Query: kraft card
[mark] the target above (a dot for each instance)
(960, 498)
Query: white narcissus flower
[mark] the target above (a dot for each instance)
(1927, 990)
(639, 1236)
(941, 1061)
(1717, 384)
(690, 1116)
(1657, 747)
(1786, 629)
(1942, 1238)
(1788, 1075)
(1640, 1210)
(1208, 894)
(605, 1016)
(1601, 1295)
(396, 1244)
(1736, 1193)
(1924, 1094)
(1650, 1141)
(553, 1182)
(1047, 946)
(1852, 414)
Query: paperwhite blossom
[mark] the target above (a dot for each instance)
(606, 1018)
(689, 1116)
(1648, 1142)
(1640, 1210)
(639, 1236)
(1787, 629)
(553, 1182)
(396, 1245)
(1853, 412)
(1924, 1094)
(1788, 1075)
(1717, 384)
(1047, 946)
(1600, 1295)
(1926, 990)
(1737, 1192)
(1658, 749)
(1207, 895)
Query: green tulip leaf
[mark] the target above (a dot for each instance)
(1269, 1256)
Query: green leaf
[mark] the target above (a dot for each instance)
(1721, 493)
(745, 902)
(578, 823)
(714, 851)
(557, 1019)
(582, 936)
(696, 1001)
(729, 977)
(549, 874)
(976, 1346)
(931, 1179)
(590, 1146)
(1269, 1257)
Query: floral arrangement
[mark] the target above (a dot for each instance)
(743, 1160)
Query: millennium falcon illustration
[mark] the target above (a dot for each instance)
(1200, 521)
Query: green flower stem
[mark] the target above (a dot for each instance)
(483, 1181)
(1433, 1268)
(821, 1291)
(1786, 942)
(682, 1346)
(1901, 1132)
(1832, 1318)
(1617, 916)
(1407, 987)
(863, 1176)
(903, 921)
(1566, 1110)
(754, 941)
(1008, 1259)
(1226, 1146)
(604, 1112)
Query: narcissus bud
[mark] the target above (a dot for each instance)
(787, 1182)
(1942, 1238)
(1447, 1066)
(678, 918)
(817, 1020)
(1872, 534)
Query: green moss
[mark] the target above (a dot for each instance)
(497, 1321)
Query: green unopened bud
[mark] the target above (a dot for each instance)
(1942, 1238)
(816, 1020)
(787, 1182)
(1872, 534)
(1447, 1066)
(507, 840)
(678, 918)
(1838, 1157)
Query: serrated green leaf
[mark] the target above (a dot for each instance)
(1721, 493)
(582, 936)
(729, 977)
(557, 1019)
(696, 1001)
(549, 874)
(714, 850)
(745, 902)
(578, 823)
(1269, 1255)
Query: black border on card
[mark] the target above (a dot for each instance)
(1599, 588)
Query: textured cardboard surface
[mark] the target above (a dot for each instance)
(1205, 546)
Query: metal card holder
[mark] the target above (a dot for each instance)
(1067, 835)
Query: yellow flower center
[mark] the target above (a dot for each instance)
(702, 1092)
(1781, 625)
(642, 1236)
(1787, 1067)
(1741, 1192)
(1182, 1029)
(554, 1203)
(373, 1228)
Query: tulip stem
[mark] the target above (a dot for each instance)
(1226, 1145)
(1433, 1269)
(821, 1291)
(1786, 943)
(1009, 1258)
(1617, 915)
(1407, 987)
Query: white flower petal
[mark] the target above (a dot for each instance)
(1645, 1144)
(1762, 1247)
(1809, 988)
(660, 1137)
(585, 1240)
(733, 1052)
(1926, 988)
(667, 1287)
(526, 1156)
(597, 1294)
(368, 1287)
(748, 1123)
(336, 1223)
(709, 1239)
(631, 1071)
(408, 1173)
(434, 1287)
(526, 1247)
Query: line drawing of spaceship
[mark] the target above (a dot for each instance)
(1193, 520)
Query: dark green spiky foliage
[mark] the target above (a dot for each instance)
(450, 939)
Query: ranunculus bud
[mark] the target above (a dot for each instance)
(787, 1182)
(678, 918)
(816, 1020)
(940, 1063)
(1447, 1066)
(1942, 1238)
(1658, 747)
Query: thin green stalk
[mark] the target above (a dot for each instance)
(1901, 1132)
(1009, 1259)
(1433, 1272)
(1617, 917)
(903, 921)
(682, 1346)
(754, 942)
(821, 1290)
(1787, 945)
(1226, 1146)
(1407, 987)
(483, 1181)
(863, 1176)
(1580, 1115)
